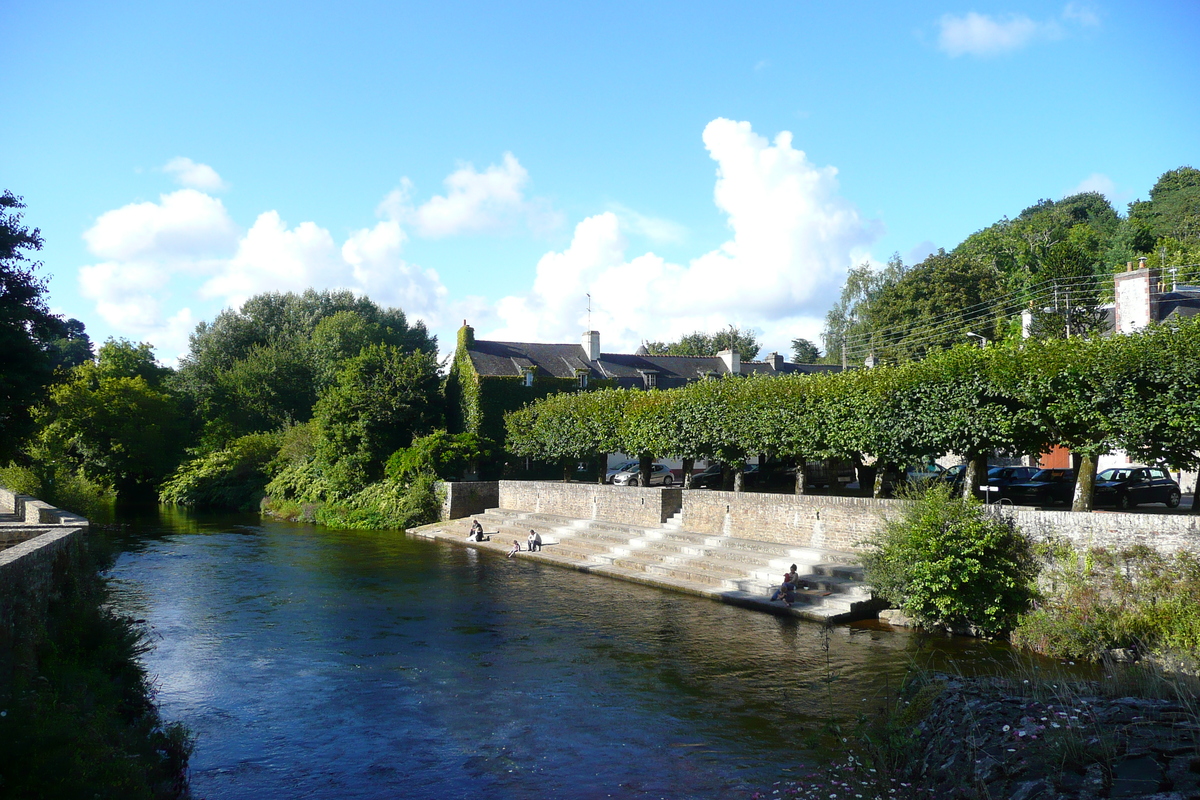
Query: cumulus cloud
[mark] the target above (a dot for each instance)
(186, 247)
(476, 202)
(792, 238)
(656, 229)
(194, 176)
(986, 35)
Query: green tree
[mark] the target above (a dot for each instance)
(700, 343)
(382, 399)
(118, 430)
(271, 339)
(804, 352)
(28, 331)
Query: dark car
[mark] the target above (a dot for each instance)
(1045, 487)
(711, 477)
(1127, 487)
(1000, 478)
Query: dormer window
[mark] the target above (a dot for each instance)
(650, 378)
(582, 377)
(528, 373)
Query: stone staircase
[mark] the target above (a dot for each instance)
(741, 572)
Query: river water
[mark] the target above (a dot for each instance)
(312, 663)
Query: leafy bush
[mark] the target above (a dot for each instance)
(446, 455)
(233, 478)
(1098, 600)
(946, 563)
(386, 505)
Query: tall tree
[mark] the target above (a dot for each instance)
(804, 352)
(28, 331)
(700, 343)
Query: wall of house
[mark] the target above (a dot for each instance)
(649, 507)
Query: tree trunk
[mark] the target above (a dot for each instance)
(1085, 483)
(976, 473)
(645, 462)
(739, 475)
(601, 467)
(1196, 497)
(801, 475)
(881, 472)
(568, 468)
(689, 464)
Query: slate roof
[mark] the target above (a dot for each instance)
(1183, 302)
(506, 359)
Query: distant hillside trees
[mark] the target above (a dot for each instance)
(1054, 259)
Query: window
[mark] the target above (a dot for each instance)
(528, 376)
(582, 376)
(650, 379)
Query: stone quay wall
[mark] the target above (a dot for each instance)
(825, 521)
(650, 506)
(41, 546)
(466, 498)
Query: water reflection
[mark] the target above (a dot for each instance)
(331, 664)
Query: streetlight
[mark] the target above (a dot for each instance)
(983, 340)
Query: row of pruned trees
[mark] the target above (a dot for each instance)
(1138, 392)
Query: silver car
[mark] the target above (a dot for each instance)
(660, 475)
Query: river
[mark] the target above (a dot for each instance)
(312, 663)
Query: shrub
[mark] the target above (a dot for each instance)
(1098, 600)
(947, 564)
(447, 455)
(386, 505)
(231, 478)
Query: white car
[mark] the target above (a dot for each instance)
(624, 466)
(631, 476)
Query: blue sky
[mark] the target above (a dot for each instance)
(688, 165)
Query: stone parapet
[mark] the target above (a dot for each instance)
(650, 506)
(820, 521)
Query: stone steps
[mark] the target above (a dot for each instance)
(738, 571)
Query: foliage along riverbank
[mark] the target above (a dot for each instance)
(77, 711)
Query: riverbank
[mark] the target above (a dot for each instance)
(1135, 733)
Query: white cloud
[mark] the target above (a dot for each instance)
(1096, 182)
(656, 229)
(981, 35)
(476, 202)
(194, 176)
(985, 35)
(792, 238)
(183, 222)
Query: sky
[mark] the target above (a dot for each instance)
(688, 166)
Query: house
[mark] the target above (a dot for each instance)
(488, 378)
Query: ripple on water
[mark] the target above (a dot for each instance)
(314, 663)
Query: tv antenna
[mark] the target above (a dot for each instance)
(589, 297)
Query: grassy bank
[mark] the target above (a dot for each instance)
(77, 712)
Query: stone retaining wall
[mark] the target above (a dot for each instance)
(46, 545)
(649, 506)
(822, 521)
(465, 498)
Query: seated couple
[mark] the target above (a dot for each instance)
(787, 591)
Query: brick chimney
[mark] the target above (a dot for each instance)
(776, 361)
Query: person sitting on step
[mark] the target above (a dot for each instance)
(787, 590)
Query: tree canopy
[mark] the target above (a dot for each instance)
(700, 343)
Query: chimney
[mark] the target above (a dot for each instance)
(1129, 266)
(776, 361)
(591, 345)
(733, 361)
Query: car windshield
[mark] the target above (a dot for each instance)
(1047, 476)
(632, 466)
(1114, 475)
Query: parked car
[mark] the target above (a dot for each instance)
(710, 478)
(660, 475)
(1000, 478)
(1045, 487)
(624, 466)
(1127, 487)
(954, 476)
